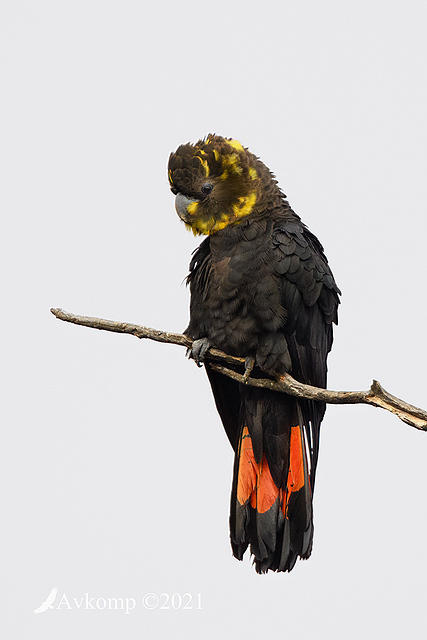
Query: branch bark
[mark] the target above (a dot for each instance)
(375, 396)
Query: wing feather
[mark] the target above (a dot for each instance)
(310, 297)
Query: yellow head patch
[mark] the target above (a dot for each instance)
(244, 205)
(203, 161)
(235, 144)
(230, 164)
(233, 183)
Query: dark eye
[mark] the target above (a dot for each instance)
(207, 188)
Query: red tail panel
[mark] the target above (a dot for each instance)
(297, 466)
(255, 482)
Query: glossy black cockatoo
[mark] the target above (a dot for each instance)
(261, 288)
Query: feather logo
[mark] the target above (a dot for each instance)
(48, 603)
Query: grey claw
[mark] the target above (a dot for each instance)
(249, 365)
(199, 349)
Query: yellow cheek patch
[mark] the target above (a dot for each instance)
(170, 177)
(235, 144)
(192, 208)
(245, 205)
(242, 208)
(253, 173)
(201, 227)
(220, 224)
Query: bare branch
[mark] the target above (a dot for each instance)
(375, 396)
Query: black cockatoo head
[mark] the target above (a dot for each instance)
(218, 182)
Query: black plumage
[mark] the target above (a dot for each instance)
(261, 287)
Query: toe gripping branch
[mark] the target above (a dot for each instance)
(198, 350)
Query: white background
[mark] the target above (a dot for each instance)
(115, 470)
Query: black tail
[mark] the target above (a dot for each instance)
(271, 500)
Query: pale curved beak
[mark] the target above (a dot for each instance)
(181, 205)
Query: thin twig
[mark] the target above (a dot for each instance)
(375, 396)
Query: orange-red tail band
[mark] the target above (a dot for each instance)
(255, 482)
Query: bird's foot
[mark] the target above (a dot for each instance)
(198, 350)
(249, 365)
